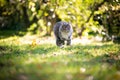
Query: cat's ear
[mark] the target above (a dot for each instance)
(63, 24)
(70, 24)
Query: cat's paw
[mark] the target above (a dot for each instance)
(62, 46)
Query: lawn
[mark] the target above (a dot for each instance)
(31, 58)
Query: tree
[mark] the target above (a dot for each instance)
(88, 17)
(109, 18)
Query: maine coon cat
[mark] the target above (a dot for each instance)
(63, 32)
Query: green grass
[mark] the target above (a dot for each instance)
(48, 62)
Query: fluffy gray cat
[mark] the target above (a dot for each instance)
(63, 32)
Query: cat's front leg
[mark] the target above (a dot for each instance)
(60, 43)
(69, 42)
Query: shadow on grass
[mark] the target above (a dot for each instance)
(109, 66)
(68, 67)
(43, 49)
(94, 54)
(13, 58)
(9, 53)
(10, 33)
(6, 55)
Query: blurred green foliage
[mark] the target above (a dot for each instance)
(39, 16)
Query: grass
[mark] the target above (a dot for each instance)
(45, 61)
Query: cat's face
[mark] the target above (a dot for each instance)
(66, 28)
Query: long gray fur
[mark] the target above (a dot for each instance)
(61, 34)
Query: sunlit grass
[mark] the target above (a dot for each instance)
(41, 59)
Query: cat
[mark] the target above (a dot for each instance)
(63, 32)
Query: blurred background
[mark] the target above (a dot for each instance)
(90, 18)
(27, 44)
